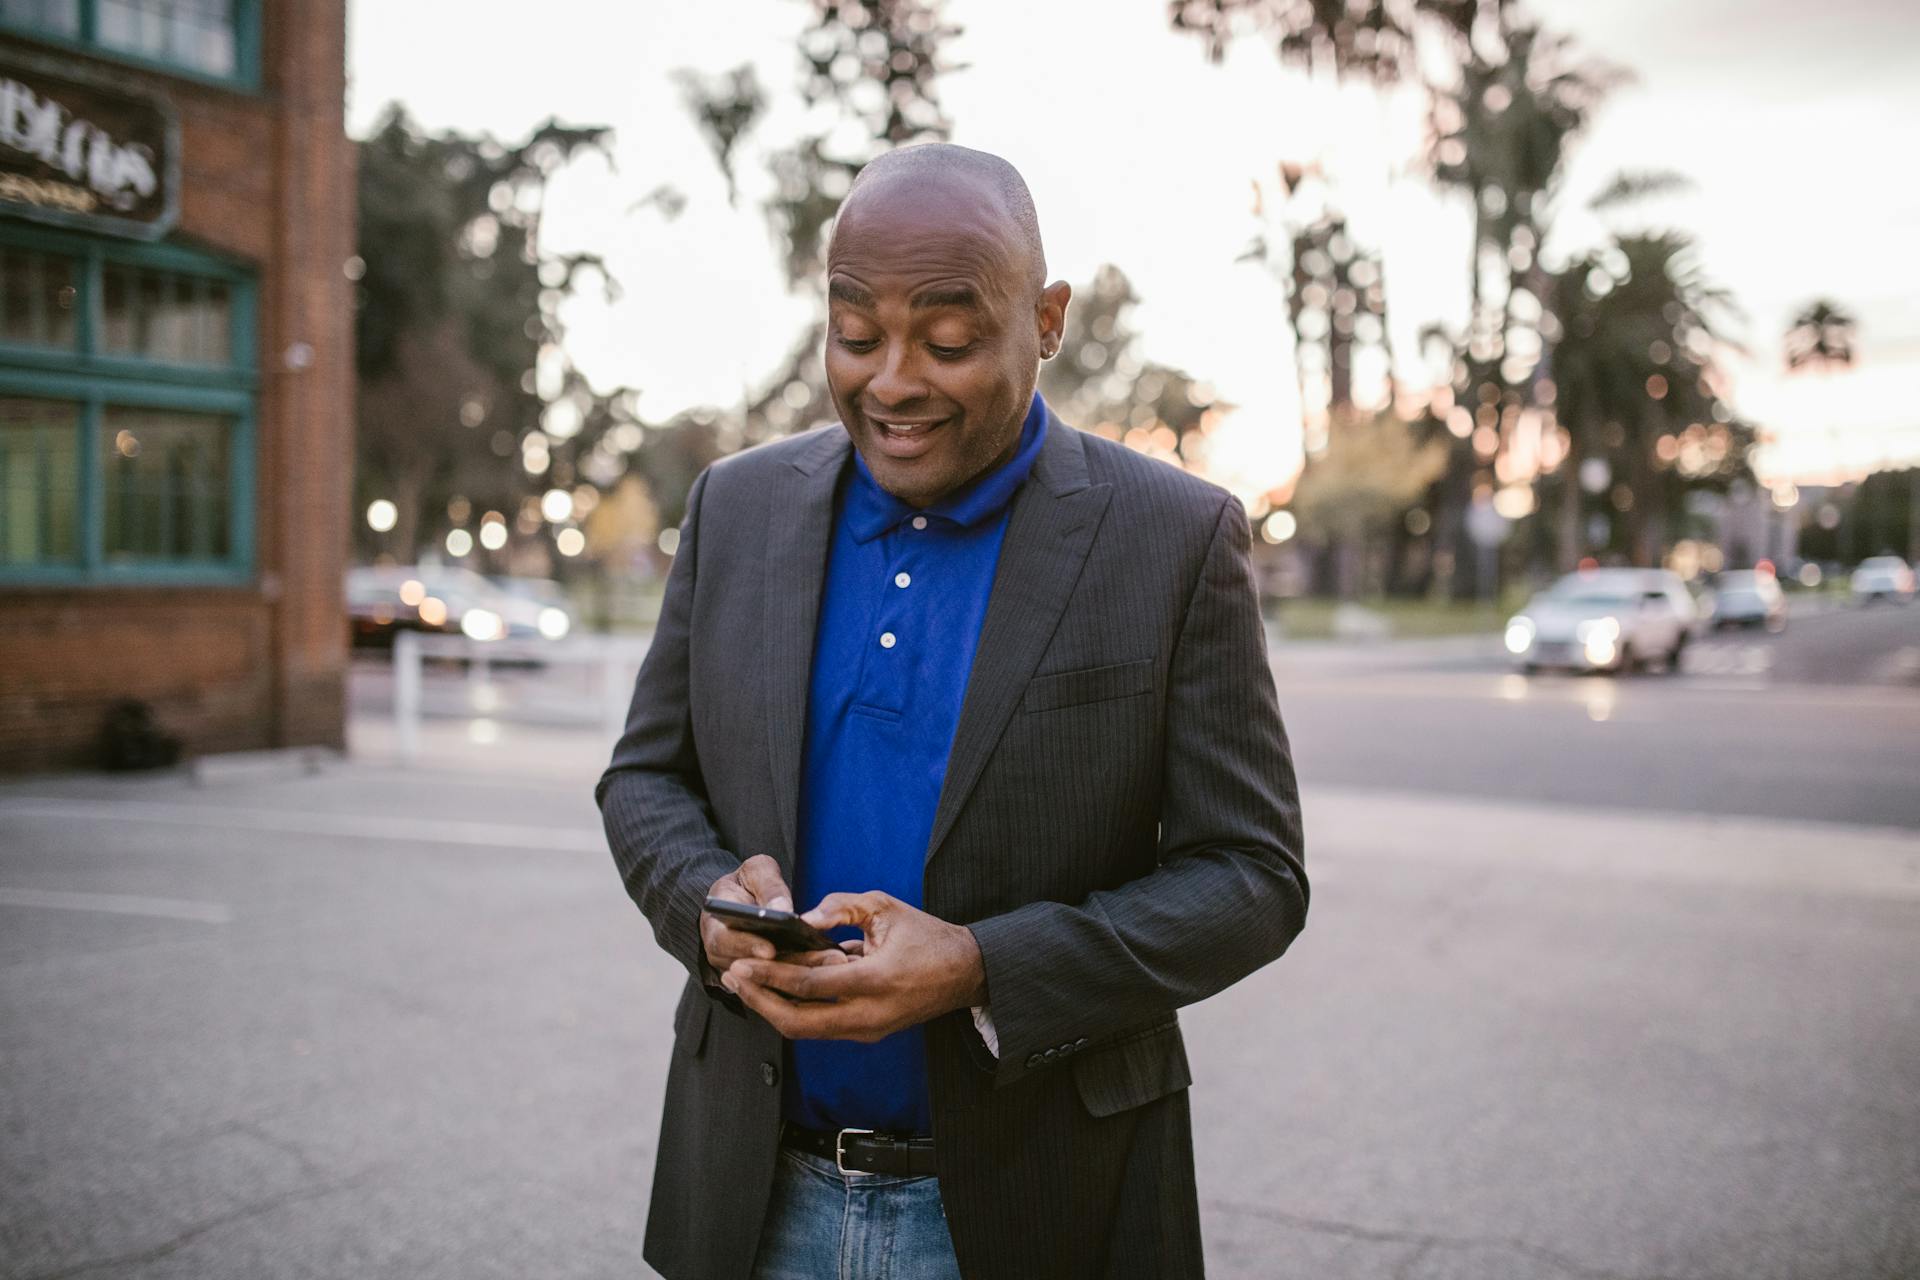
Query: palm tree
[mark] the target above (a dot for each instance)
(1501, 136)
(1369, 38)
(1634, 327)
(1822, 335)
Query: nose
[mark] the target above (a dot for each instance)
(898, 383)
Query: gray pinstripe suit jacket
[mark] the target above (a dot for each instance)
(1119, 825)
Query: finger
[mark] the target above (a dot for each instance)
(813, 982)
(761, 876)
(729, 887)
(732, 944)
(856, 909)
(814, 959)
(854, 946)
(803, 1021)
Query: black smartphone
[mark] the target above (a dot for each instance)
(787, 931)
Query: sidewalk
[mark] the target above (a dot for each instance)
(411, 1026)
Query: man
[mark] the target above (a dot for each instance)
(991, 698)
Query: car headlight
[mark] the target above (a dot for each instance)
(1520, 634)
(482, 624)
(1595, 632)
(554, 623)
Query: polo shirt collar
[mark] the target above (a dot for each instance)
(871, 511)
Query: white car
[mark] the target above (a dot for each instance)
(1883, 577)
(1605, 620)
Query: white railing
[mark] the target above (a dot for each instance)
(613, 660)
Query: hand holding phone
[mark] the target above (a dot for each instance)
(755, 884)
(787, 931)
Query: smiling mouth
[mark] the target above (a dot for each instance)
(905, 430)
(905, 440)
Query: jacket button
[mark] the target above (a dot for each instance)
(1051, 1054)
(1034, 1060)
(769, 1074)
(1081, 1043)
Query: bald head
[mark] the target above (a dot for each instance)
(938, 315)
(979, 191)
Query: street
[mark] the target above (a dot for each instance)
(1602, 978)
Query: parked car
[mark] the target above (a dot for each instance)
(1883, 578)
(1749, 598)
(1604, 620)
(540, 603)
(384, 599)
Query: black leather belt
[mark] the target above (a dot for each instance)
(864, 1151)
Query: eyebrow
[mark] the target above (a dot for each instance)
(927, 299)
(949, 296)
(848, 292)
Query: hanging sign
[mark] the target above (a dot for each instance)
(85, 154)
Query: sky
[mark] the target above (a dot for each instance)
(1788, 117)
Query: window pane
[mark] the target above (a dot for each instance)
(39, 481)
(166, 484)
(37, 298)
(196, 34)
(57, 17)
(157, 315)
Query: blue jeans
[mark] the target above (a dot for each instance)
(825, 1225)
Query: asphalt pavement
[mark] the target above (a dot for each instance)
(1602, 979)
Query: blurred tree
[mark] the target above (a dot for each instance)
(869, 76)
(1822, 335)
(725, 108)
(1500, 136)
(1634, 378)
(466, 398)
(1878, 515)
(1353, 495)
(869, 79)
(1371, 39)
(1336, 295)
(1101, 383)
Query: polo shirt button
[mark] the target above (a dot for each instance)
(902, 579)
(919, 522)
(887, 640)
(769, 1074)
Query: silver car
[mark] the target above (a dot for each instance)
(1749, 598)
(1883, 578)
(1605, 620)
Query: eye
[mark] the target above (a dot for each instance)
(859, 346)
(949, 353)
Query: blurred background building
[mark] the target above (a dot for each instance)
(176, 381)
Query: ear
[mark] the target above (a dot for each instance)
(1051, 315)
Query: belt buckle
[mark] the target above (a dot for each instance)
(840, 1151)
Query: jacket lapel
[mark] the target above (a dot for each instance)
(799, 531)
(1049, 530)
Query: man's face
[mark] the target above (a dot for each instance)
(934, 330)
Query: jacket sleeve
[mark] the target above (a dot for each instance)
(1230, 892)
(652, 798)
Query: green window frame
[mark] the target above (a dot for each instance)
(84, 35)
(106, 386)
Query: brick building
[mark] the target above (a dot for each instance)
(176, 372)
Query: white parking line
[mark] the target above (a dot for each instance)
(120, 904)
(491, 835)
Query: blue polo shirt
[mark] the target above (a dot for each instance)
(905, 596)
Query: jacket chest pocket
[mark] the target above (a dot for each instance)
(1088, 684)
